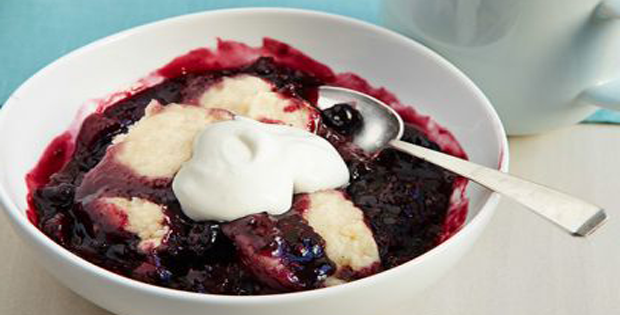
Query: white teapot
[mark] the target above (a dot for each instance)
(542, 63)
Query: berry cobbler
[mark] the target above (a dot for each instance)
(218, 174)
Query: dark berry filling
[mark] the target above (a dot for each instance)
(283, 252)
(405, 200)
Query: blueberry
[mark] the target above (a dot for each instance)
(60, 196)
(201, 238)
(343, 118)
(324, 271)
(264, 66)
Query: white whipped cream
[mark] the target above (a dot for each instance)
(241, 167)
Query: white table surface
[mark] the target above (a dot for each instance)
(521, 265)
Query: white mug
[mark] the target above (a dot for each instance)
(543, 63)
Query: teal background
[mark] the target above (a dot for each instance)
(34, 33)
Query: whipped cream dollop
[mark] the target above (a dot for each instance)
(241, 167)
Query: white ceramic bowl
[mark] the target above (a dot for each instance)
(45, 105)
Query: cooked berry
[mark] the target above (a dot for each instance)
(343, 119)
(59, 196)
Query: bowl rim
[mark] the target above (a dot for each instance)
(487, 209)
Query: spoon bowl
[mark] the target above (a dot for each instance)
(382, 123)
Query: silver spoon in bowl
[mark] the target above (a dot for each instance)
(383, 127)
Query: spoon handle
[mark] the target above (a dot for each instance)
(578, 217)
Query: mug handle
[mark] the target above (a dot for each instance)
(608, 9)
(605, 94)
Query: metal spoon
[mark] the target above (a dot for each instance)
(383, 128)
